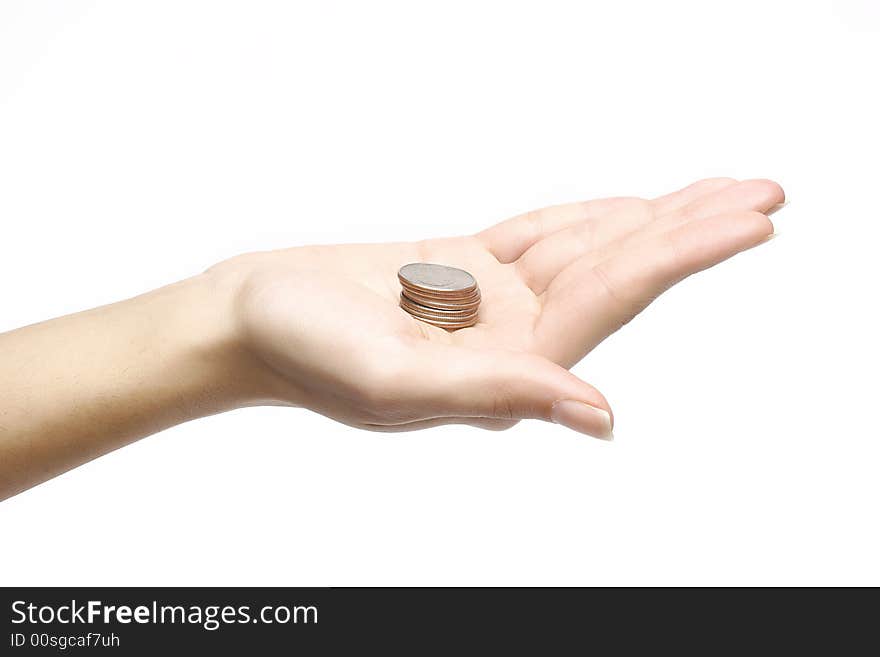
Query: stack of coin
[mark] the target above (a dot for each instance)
(443, 296)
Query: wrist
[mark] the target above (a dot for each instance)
(219, 366)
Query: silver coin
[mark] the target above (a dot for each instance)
(437, 278)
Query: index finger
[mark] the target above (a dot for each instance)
(510, 239)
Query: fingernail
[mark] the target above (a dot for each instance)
(775, 208)
(583, 418)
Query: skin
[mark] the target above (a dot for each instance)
(319, 327)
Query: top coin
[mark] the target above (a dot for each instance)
(436, 278)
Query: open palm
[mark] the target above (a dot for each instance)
(555, 283)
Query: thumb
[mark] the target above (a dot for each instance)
(511, 385)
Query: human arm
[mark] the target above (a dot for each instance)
(319, 327)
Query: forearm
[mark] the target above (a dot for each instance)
(79, 386)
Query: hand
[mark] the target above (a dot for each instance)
(325, 320)
(320, 327)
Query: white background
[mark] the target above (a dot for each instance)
(142, 142)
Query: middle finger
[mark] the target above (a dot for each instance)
(543, 260)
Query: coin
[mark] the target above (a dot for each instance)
(439, 279)
(450, 325)
(446, 297)
(446, 304)
(442, 296)
(442, 314)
